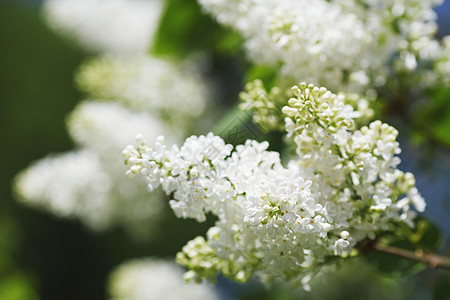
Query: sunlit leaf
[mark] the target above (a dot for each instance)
(184, 28)
(393, 266)
(267, 74)
(426, 236)
(432, 121)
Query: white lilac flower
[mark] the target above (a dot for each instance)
(150, 278)
(314, 36)
(277, 221)
(112, 26)
(345, 45)
(173, 92)
(87, 184)
(361, 160)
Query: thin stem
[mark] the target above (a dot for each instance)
(431, 259)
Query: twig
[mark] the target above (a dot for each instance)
(431, 259)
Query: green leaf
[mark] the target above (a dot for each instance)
(432, 121)
(442, 287)
(426, 235)
(393, 266)
(236, 127)
(268, 75)
(184, 28)
(423, 236)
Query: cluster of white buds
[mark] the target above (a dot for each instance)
(277, 221)
(266, 106)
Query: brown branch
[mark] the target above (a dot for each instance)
(431, 259)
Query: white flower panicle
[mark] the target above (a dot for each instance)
(87, 184)
(195, 159)
(352, 163)
(345, 45)
(151, 278)
(176, 93)
(111, 26)
(279, 221)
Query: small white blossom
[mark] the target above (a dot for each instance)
(345, 235)
(150, 278)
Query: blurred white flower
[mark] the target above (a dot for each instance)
(134, 94)
(112, 26)
(175, 92)
(144, 279)
(105, 127)
(46, 184)
(89, 184)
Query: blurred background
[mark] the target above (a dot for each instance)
(43, 256)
